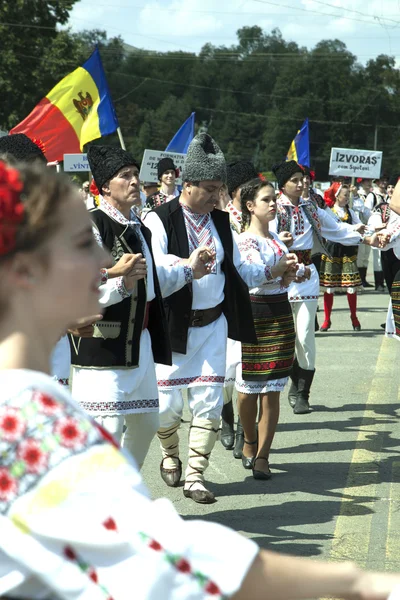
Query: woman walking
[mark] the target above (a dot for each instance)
(265, 368)
(339, 269)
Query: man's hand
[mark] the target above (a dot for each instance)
(138, 271)
(286, 237)
(287, 261)
(84, 327)
(201, 262)
(124, 266)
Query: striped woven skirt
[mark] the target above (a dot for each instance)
(395, 295)
(339, 271)
(272, 357)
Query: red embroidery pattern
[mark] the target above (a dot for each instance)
(188, 380)
(304, 257)
(86, 568)
(298, 298)
(37, 433)
(199, 232)
(235, 217)
(64, 382)
(182, 565)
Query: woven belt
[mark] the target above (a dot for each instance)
(201, 318)
(304, 256)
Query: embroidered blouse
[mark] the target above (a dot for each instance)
(263, 251)
(76, 521)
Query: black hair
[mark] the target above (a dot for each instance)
(248, 192)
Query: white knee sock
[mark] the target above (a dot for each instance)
(202, 438)
(169, 442)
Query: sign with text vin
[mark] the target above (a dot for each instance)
(76, 163)
(355, 163)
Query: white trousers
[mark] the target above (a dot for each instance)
(140, 430)
(204, 403)
(376, 255)
(363, 256)
(304, 322)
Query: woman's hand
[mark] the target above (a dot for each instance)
(287, 261)
(377, 240)
(360, 228)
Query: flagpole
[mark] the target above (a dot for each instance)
(121, 139)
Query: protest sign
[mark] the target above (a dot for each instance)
(355, 163)
(148, 169)
(76, 163)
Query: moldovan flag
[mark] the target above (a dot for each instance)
(77, 110)
(300, 147)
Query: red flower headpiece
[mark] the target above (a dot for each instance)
(11, 207)
(332, 193)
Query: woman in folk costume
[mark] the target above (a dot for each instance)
(238, 173)
(76, 521)
(19, 147)
(339, 269)
(167, 174)
(305, 221)
(265, 367)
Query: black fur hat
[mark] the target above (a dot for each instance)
(238, 173)
(106, 161)
(165, 164)
(22, 148)
(284, 171)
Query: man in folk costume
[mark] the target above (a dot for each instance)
(306, 221)
(238, 173)
(114, 372)
(201, 315)
(167, 174)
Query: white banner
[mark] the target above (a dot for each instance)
(75, 163)
(148, 169)
(355, 163)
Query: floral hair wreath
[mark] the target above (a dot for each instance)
(12, 209)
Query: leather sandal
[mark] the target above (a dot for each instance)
(199, 496)
(248, 461)
(261, 474)
(171, 477)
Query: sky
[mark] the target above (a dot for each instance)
(367, 27)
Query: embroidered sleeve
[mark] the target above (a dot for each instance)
(188, 274)
(123, 292)
(103, 276)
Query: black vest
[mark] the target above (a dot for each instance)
(236, 305)
(116, 341)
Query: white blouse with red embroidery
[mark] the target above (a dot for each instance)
(75, 518)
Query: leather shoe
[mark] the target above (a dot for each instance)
(199, 496)
(171, 477)
(228, 426)
(248, 461)
(261, 474)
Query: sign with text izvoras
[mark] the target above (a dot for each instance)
(355, 163)
(148, 170)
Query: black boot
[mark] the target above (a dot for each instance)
(363, 275)
(239, 441)
(294, 376)
(228, 429)
(379, 281)
(306, 377)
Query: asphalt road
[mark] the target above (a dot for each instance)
(335, 491)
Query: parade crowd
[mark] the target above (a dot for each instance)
(207, 289)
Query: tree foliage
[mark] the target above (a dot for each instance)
(252, 96)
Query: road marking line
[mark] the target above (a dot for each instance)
(351, 538)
